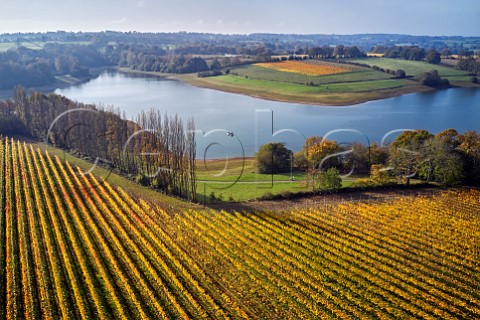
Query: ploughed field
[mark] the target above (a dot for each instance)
(73, 247)
(304, 67)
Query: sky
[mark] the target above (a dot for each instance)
(415, 17)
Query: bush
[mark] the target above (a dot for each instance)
(400, 74)
(379, 175)
(273, 158)
(364, 183)
(143, 180)
(432, 79)
(474, 80)
(212, 197)
(212, 73)
(330, 180)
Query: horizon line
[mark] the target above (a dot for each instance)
(234, 34)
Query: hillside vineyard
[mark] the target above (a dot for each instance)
(74, 248)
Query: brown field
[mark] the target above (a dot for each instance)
(305, 68)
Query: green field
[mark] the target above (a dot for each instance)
(245, 191)
(4, 46)
(414, 68)
(337, 94)
(356, 75)
(359, 84)
(282, 87)
(250, 185)
(240, 182)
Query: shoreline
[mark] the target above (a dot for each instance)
(316, 100)
(343, 99)
(321, 100)
(62, 82)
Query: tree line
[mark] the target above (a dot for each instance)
(340, 51)
(448, 158)
(414, 53)
(32, 68)
(157, 151)
(162, 63)
(469, 64)
(210, 43)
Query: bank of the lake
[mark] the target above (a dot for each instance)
(290, 93)
(297, 93)
(61, 82)
(250, 119)
(325, 82)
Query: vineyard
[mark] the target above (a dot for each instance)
(308, 69)
(75, 248)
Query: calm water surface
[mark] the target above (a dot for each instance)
(250, 119)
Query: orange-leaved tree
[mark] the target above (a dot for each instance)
(315, 152)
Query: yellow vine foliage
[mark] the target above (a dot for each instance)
(76, 247)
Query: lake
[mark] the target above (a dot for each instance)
(232, 124)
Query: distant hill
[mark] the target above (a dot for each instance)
(290, 41)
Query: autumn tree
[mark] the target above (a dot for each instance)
(162, 155)
(450, 138)
(433, 57)
(317, 152)
(273, 158)
(446, 53)
(470, 149)
(215, 65)
(440, 163)
(405, 154)
(433, 158)
(379, 176)
(364, 156)
(339, 51)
